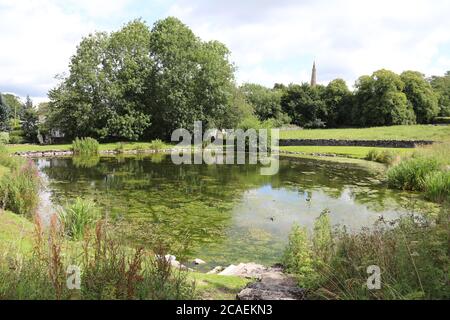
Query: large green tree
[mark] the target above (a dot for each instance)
(441, 86)
(265, 101)
(304, 105)
(30, 122)
(105, 94)
(141, 83)
(193, 80)
(421, 95)
(4, 114)
(338, 102)
(380, 100)
(15, 106)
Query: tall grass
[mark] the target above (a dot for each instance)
(85, 146)
(108, 270)
(412, 254)
(77, 217)
(384, 156)
(157, 145)
(19, 189)
(426, 170)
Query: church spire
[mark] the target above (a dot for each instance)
(314, 75)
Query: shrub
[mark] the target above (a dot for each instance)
(411, 252)
(79, 216)
(108, 271)
(85, 146)
(9, 161)
(4, 137)
(410, 174)
(157, 145)
(19, 190)
(15, 139)
(299, 258)
(383, 156)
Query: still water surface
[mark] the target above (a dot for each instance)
(229, 213)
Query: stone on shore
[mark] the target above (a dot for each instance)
(199, 261)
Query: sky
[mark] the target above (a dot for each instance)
(271, 41)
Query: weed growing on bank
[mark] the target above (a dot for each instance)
(412, 254)
(108, 270)
(426, 170)
(85, 146)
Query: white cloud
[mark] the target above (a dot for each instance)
(271, 41)
(37, 39)
(348, 38)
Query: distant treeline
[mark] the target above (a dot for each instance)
(141, 83)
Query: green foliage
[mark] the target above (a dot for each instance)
(266, 102)
(4, 113)
(441, 86)
(141, 83)
(305, 256)
(427, 170)
(380, 100)
(299, 258)
(421, 95)
(109, 271)
(16, 136)
(19, 190)
(410, 174)
(4, 137)
(338, 101)
(437, 186)
(85, 146)
(304, 104)
(412, 254)
(157, 145)
(30, 121)
(78, 217)
(382, 156)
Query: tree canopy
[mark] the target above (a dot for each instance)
(421, 95)
(380, 100)
(441, 86)
(138, 82)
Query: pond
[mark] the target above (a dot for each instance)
(227, 213)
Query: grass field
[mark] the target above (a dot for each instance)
(353, 152)
(67, 147)
(415, 132)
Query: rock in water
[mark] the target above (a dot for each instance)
(199, 261)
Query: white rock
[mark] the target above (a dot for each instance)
(199, 261)
(215, 270)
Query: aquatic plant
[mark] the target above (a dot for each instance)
(437, 186)
(78, 216)
(157, 145)
(85, 146)
(19, 189)
(425, 170)
(382, 156)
